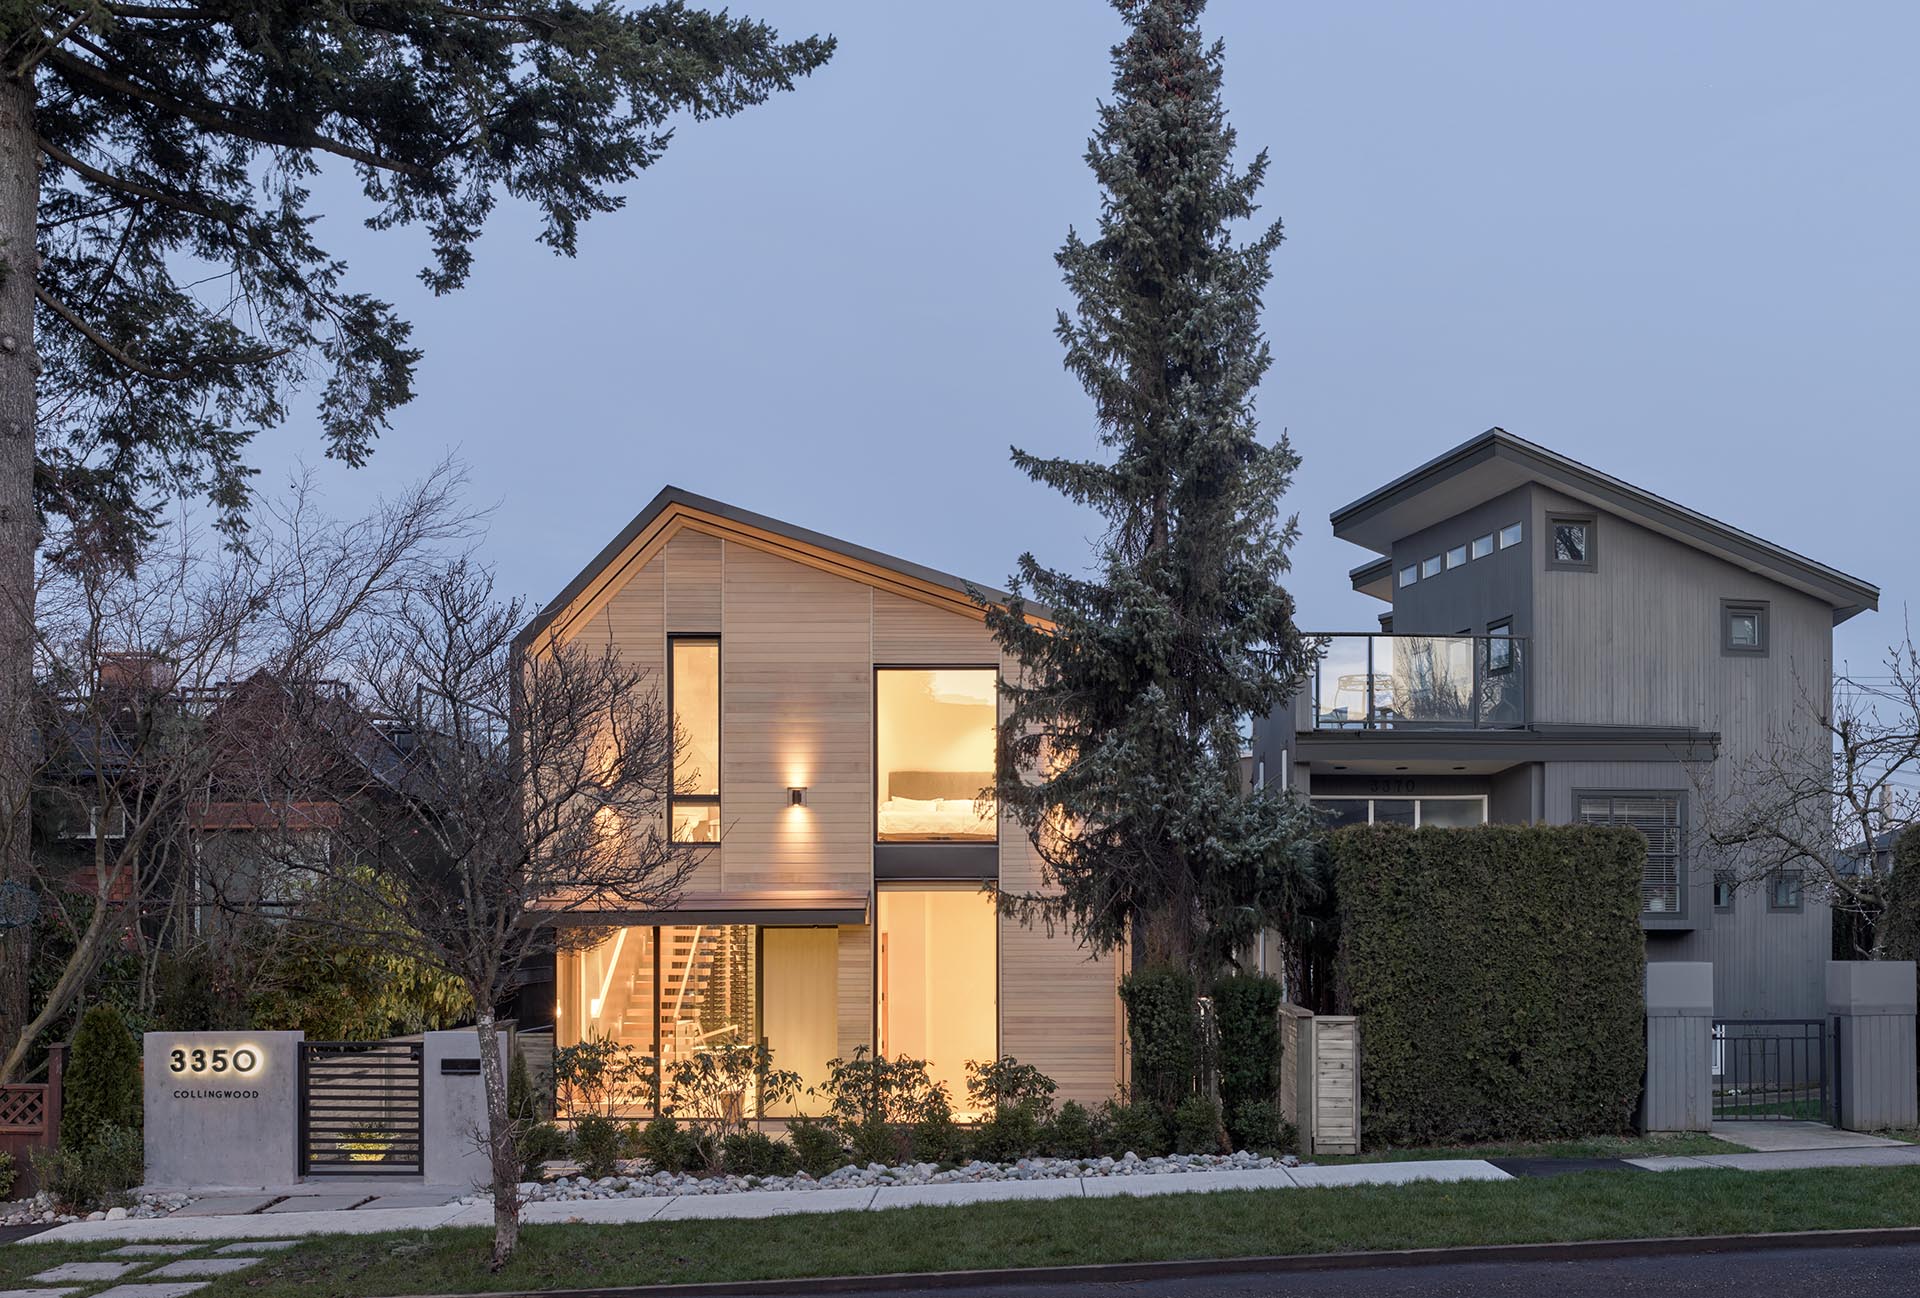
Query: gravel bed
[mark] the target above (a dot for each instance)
(41, 1211)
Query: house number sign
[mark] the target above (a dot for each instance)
(218, 1059)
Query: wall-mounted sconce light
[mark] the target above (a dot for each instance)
(797, 795)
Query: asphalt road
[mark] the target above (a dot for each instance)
(1880, 1272)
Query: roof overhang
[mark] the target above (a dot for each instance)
(1374, 577)
(1488, 750)
(674, 510)
(1497, 462)
(764, 908)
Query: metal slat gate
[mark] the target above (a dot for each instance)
(1779, 1070)
(360, 1104)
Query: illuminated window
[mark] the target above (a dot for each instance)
(693, 691)
(937, 953)
(934, 754)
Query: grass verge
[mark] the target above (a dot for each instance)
(1591, 1147)
(1594, 1205)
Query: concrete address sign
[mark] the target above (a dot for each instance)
(222, 1108)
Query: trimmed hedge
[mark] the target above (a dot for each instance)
(1498, 976)
(101, 1087)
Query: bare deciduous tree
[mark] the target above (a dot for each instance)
(488, 793)
(1825, 795)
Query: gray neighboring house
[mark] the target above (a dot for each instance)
(1562, 646)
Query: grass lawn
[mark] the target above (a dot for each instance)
(1594, 1205)
(1590, 1147)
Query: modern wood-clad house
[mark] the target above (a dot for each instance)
(1562, 646)
(840, 709)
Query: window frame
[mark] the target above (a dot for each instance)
(1681, 917)
(1432, 566)
(1724, 878)
(1763, 616)
(1500, 629)
(1460, 550)
(1519, 531)
(1484, 799)
(1409, 575)
(873, 782)
(674, 796)
(1475, 553)
(1591, 525)
(1777, 877)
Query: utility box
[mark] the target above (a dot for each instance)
(1320, 1079)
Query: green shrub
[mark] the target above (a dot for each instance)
(1009, 1135)
(1070, 1134)
(875, 1141)
(102, 1081)
(668, 1146)
(1006, 1083)
(1498, 976)
(596, 1144)
(1256, 1126)
(6, 1174)
(537, 1144)
(600, 1074)
(98, 1174)
(817, 1146)
(1196, 1126)
(937, 1138)
(709, 1090)
(1900, 921)
(523, 1104)
(1134, 1129)
(754, 1153)
(873, 1088)
(1246, 1011)
(1163, 1026)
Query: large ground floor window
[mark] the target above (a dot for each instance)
(1450, 812)
(937, 976)
(671, 991)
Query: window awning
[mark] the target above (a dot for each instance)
(763, 908)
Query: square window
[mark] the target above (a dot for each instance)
(1570, 543)
(1483, 546)
(1457, 557)
(1743, 628)
(1510, 535)
(1430, 567)
(1410, 574)
(1783, 890)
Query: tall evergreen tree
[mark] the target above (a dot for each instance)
(1120, 756)
(161, 288)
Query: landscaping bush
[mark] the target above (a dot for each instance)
(596, 1144)
(1009, 1135)
(873, 1088)
(536, 1145)
(98, 1174)
(875, 1141)
(711, 1089)
(1196, 1126)
(817, 1146)
(667, 1145)
(1163, 1025)
(6, 1174)
(754, 1153)
(523, 1104)
(600, 1074)
(1256, 1126)
(102, 1084)
(1246, 1010)
(1137, 1128)
(1007, 1083)
(937, 1138)
(1071, 1132)
(1498, 976)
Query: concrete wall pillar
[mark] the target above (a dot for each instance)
(453, 1119)
(1872, 1007)
(1679, 1094)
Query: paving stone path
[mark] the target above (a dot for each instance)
(146, 1271)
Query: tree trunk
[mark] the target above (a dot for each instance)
(502, 1156)
(19, 524)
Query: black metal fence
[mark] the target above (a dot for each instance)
(1776, 1070)
(360, 1108)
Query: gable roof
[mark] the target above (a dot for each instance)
(1496, 462)
(675, 509)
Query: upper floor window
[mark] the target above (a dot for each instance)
(1500, 646)
(935, 730)
(1457, 557)
(1784, 890)
(1570, 543)
(1430, 567)
(1483, 546)
(1657, 816)
(1510, 535)
(1723, 888)
(693, 695)
(1743, 627)
(1410, 574)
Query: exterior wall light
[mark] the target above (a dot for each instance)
(797, 795)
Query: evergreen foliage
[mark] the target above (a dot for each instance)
(1900, 924)
(1498, 973)
(1120, 756)
(1163, 1029)
(1246, 1008)
(101, 1086)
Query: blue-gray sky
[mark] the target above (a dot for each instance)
(1676, 241)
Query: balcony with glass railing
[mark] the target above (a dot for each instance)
(1417, 682)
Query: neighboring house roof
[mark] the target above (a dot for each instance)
(674, 509)
(1496, 462)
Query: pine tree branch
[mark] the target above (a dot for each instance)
(118, 355)
(121, 185)
(27, 64)
(220, 119)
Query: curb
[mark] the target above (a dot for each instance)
(1146, 1272)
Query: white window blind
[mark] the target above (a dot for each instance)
(1657, 816)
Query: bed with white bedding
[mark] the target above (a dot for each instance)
(931, 806)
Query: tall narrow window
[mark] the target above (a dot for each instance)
(937, 953)
(934, 734)
(693, 694)
(1500, 646)
(1657, 816)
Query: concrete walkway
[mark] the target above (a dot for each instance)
(1775, 1137)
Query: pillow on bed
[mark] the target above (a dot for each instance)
(913, 804)
(956, 806)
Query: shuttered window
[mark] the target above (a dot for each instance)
(1656, 815)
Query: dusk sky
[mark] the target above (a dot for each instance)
(1674, 241)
